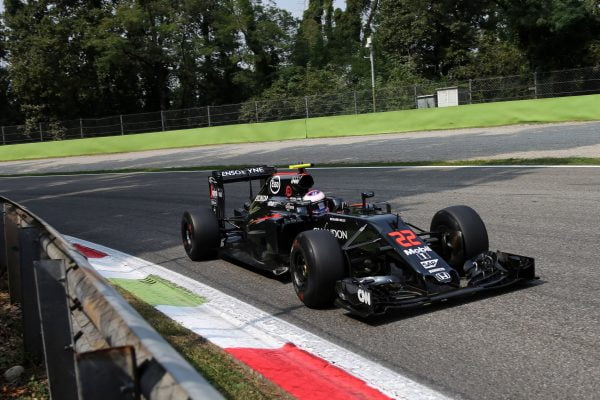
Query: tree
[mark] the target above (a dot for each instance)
(554, 34)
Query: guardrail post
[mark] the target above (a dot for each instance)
(56, 328)
(535, 91)
(81, 127)
(3, 138)
(122, 129)
(29, 251)
(41, 133)
(3, 270)
(162, 119)
(108, 374)
(11, 238)
(208, 114)
(355, 105)
(256, 109)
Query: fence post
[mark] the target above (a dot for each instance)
(256, 109)
(306, 104)
(81, 127)
(416, 97)
(162, 119)
(121, 119)
(535, 91)
(41, 133)
(355, 105)
(3, 139)
(470, 91)
(208, 114)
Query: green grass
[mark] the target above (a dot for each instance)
(577, 108)
(157, 291)
(229, 376)
(458, 163)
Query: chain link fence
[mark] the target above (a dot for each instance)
(571, 82)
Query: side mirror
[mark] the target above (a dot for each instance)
(364, 196)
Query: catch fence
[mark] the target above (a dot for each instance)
(536, 85)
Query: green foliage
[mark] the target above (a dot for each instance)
(88, 58)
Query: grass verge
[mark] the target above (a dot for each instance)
(499, 162)
(229, 376)
(576, 108)
(33, 383)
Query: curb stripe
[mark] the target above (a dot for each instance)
(305, 376)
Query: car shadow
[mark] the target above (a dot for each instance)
(395, 315)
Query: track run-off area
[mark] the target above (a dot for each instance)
(538, 341)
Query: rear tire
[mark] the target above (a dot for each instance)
(316, 263)
(200, 234)
(466, 235)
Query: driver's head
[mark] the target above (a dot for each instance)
(318, 204)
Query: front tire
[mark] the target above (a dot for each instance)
(465, 235)
(316, 263)
(200, 234)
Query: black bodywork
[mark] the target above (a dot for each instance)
(389, 262)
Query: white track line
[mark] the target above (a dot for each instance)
(234, 312)
(83, 174)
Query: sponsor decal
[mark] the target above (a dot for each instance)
(273, 203)
(261, 198)
(423, 256)
(442, 276)
(334, 219)
(256, 170)
(337, 233)
(429, 264)
(406, 238)
(364, 296)
(290, 206)
(275, 184)
(417, 250)
(431, 271)
(288, 191)
(296, 179)
(240, 172)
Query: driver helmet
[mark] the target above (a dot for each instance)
(318, 204)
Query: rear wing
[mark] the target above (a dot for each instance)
(243, 174)
(218, 179)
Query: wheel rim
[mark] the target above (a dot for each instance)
(299, 271)
(452, 244)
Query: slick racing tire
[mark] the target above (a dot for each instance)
(466, 235)
(200, 234)
(316, 263)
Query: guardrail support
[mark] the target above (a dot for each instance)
(56, 328)
(108, 374)
(162, 119)
(29, 252)
(122, 129)
(11, 236)
(3, 270)
(3, 138)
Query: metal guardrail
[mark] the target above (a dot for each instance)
(570, 82)
(95, 345)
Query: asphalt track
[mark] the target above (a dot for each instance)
(517, 141)
(536, 342)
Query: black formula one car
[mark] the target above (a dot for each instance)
(362, 256)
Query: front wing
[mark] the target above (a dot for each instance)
(375, 295)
